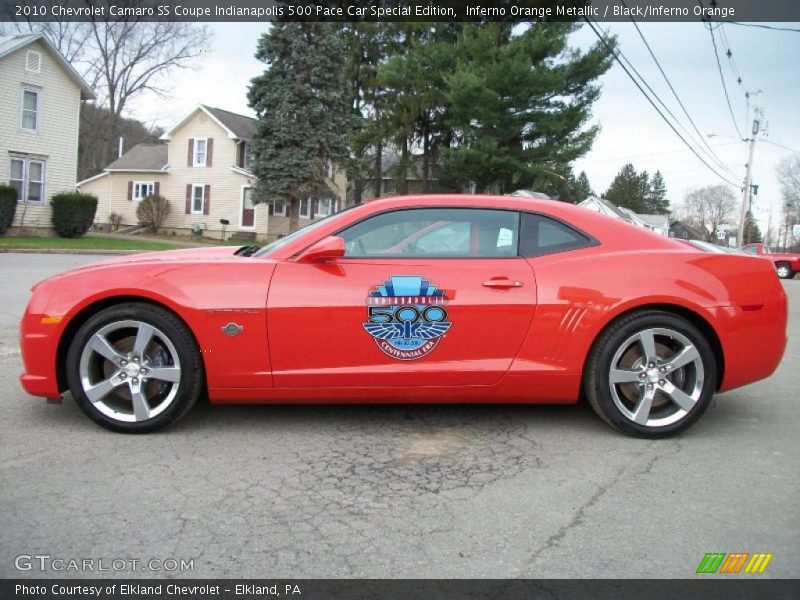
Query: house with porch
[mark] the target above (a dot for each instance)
(202, 166)
(40, 103)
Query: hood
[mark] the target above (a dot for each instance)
(183, 255)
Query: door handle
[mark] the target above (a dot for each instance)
(502, 283)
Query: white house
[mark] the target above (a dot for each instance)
(40, 101)
(202, 166)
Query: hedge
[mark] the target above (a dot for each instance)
(8, 206)
(73, 213)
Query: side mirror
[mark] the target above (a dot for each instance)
(329, 248)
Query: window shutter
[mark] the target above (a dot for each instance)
(240, 155)
(156, 188)
(130, 190)
(189, 161)
(188, 198)
(312, 210)
(271, 209)
(209, 151)
(207, 199)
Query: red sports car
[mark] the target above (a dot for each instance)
(413, 299)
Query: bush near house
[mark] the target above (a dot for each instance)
(116, 220)
(73, 213)
(152, 211)
(8, 206)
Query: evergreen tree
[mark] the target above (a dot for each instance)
(304, 115)
(517, 104)
(582, 189)
(656, 202)
(628, 189)
(752, 232)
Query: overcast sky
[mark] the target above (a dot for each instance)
(632, 131)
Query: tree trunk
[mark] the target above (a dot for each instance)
(378, 167)
(403, 187)
(426, 147)
(294, 215)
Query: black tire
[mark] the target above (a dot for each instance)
(784, 271)
(699, 377)
(191, 377)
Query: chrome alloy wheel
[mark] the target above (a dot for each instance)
(130, 371)
(784, 272)
(656, 377)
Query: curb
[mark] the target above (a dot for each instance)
(70, 251)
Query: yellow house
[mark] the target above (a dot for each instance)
(40, 102)
(202, 166)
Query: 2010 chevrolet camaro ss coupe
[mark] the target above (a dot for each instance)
(413, 299)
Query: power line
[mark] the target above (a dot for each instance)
(722, 79)
(760, 25)
(700, 136)
(616, 54)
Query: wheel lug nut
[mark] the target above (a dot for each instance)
(122, 376)
(661, 382)
(123, 362)
(135, 359)
(135, 380)
(642, 375)
(662, 370)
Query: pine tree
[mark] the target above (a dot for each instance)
(752, 232)
(304, 116)
(656, 202)
(628, 189)
(517, 104)
(582, 189)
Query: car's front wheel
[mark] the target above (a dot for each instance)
(784, 271)
(651, 374)
(134, 368)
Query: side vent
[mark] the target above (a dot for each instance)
(33, 61)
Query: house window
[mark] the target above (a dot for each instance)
(200, 148)
(278, 209)
(27, 176)
(248, 157)
(305, 208)
(143, 189)
(325, 208)
(198, 199)
(33, 61)
(30, 110)
(387, 186)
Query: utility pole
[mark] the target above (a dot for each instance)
(746, 191)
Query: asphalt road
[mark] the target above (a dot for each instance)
(421, 491)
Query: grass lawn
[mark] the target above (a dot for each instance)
(83, 243)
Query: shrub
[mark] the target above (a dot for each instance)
(73, 213)
(115, 220)
(152, 211)
(8, 206)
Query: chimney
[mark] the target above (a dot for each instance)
(121, 143)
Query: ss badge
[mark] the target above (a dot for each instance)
(232, 329)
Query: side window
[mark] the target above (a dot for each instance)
(435, 233)
(543, 235)
(750, 250)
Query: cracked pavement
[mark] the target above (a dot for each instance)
(396, 491)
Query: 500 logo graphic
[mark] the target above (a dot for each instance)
(720, 562)
(406, 316)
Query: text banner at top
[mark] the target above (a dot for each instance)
(402, 10)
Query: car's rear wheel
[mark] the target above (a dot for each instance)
(651, 374)
(134, 368)
(784, 271)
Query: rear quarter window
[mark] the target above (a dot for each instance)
(542, 235)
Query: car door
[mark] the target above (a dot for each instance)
(423, 297)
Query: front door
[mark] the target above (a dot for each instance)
(423, 297)
(248, 219)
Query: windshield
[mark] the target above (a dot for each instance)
(280, 242)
